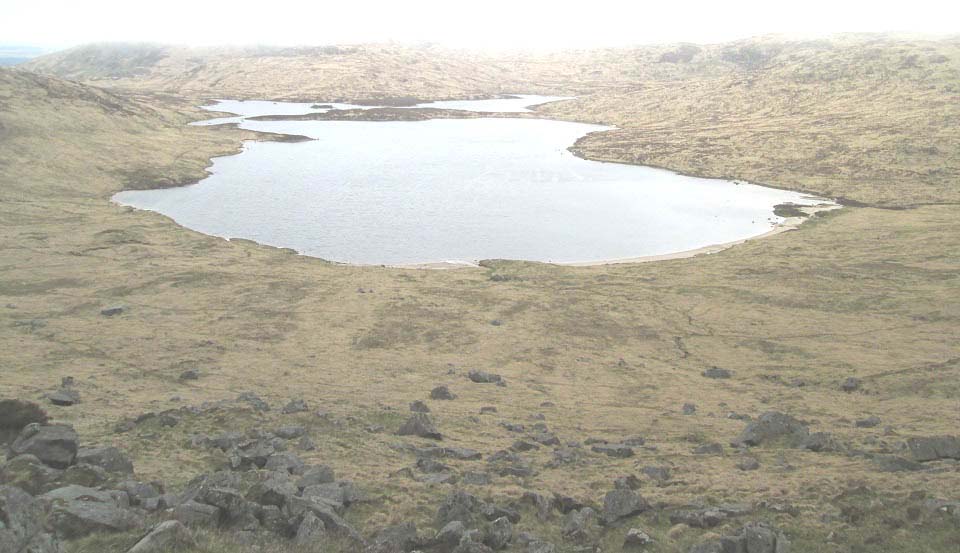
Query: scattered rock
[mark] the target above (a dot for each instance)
(619, 504)
(419, 407)
(754, 537)
(891, 463)
(111, 311)
(190, 374)
(29, 474)
(21, 524)
(636, 538)
(500, 534)
(77, 511)
(482, 377)
(659, 474)
(613, 450)
(717, 372)
(193, 513)
(770, 426)
(698, 518)
(748, 463)
(420, 425)
(712, 448)
(84, 475)
(475, 478)
(450, 535)
(254, 401)
(310, 530)
(934, 448)
(108, 458)
(169, 535)
(580, 525)
(689, 409)
(290, 432)
(442, 393)
(295, 406)
(458, 506)
(629, 482)
(851, 384)
(64, 397)
(869, 422)
(399, 538)
(487, 409)
(821, 442)
(54, 445)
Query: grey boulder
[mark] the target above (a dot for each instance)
(54, 445)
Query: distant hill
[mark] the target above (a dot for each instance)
(14, 54)
(869, 117)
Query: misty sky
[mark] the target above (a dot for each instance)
(474, 23)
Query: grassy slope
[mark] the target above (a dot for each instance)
(867, 292)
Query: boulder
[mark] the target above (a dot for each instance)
(708, 449)
(442, 393)
(419, 407)
(290, 432)
(699, 518)
(315, 475)
(29, 474)
(450, 535)
(169, 535)
(821, 442)
(234, 509)
(295, 406)
(869, 422)
(688, 409)
(717, 372)
(658, 474)
(482, 377)
(310, 530)
(399, 538)
(934, 448)
(22, 524)
(580, 526)
(285, 462)
(851, 384)
(460, 506)
(108, 458)
(74, 515)
(54, 445)
(499, 534)
(274, 489)
(636, 538)
(420, 424)
(613, 450)
(112, 310)
(332, 521)
(619, 504)
(83, 474)
(771, 426)
(192, 513)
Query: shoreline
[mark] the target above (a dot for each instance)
(788, 224)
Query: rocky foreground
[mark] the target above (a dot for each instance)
(54, 489)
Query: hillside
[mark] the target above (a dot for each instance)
(874, 119)
(176, 341)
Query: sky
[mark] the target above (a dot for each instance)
(473, 23)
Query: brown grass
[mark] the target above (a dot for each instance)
(865, 292)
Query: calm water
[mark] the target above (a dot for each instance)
(454, 190)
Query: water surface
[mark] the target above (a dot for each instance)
(455, 190)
